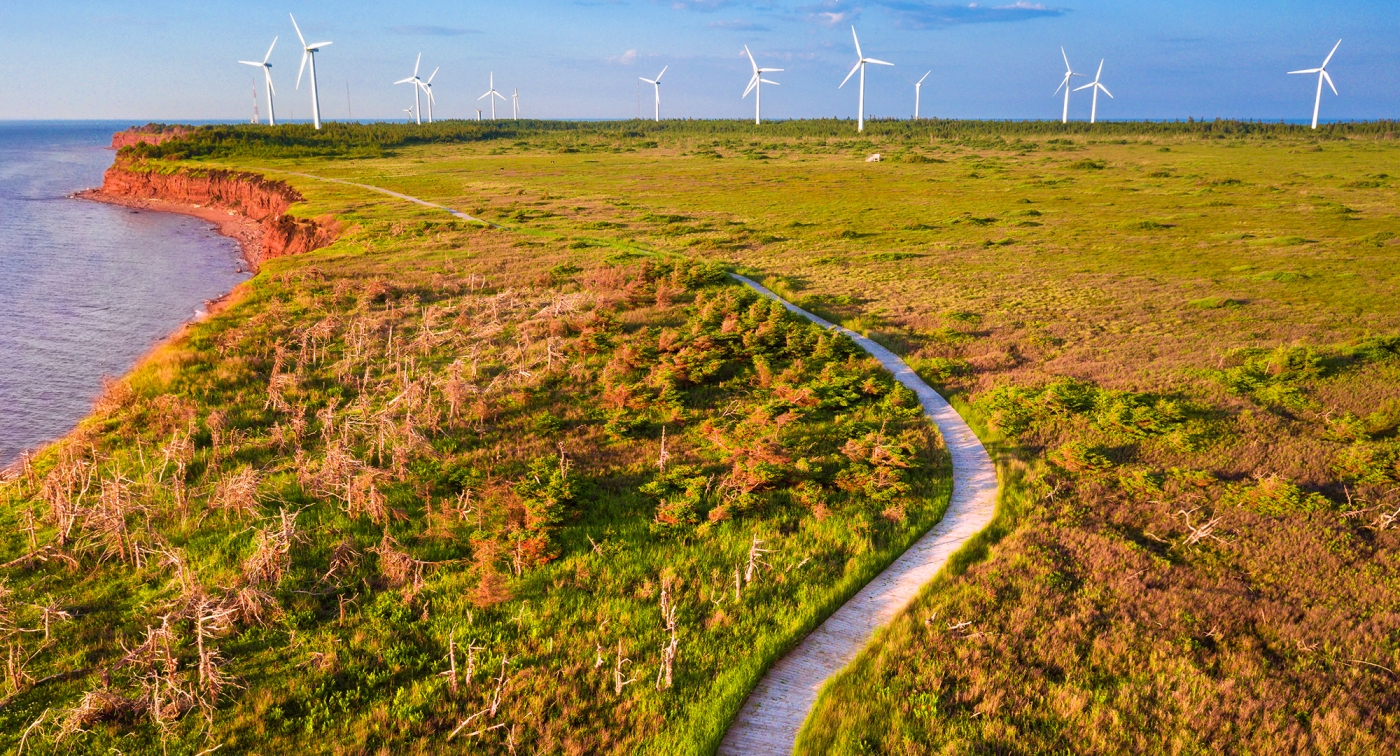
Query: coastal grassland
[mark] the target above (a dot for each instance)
(1186, 337)
(441, 486)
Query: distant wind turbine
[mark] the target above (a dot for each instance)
(493, 94)
(409, 111)
(1097, 87)
(1066, 85)
(756, 86)
(267, 73)
(428, 90)
(308, 53)
(1322, 76)
(515, 104)
(656, 83)
(416, 82)
(860, 65)
(918, 86)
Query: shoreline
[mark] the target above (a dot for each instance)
(242, 229)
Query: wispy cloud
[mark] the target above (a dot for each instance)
(625, 59)
(413, 30)
(737, 25)
(932, 15)
(698, 5)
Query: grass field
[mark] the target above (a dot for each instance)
(1183, 340)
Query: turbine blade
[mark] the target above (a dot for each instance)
(409, 80)
(479, 99)
(319, 45)
(1065, 55)
(1064, 83)
(417, 63)
(752, 83)
(859, 54)
(649, 81)
(878, 62)
(435, 70)
(752, 62)
(1329, 55)
(1090, 85)
(298, 28)
(304, 55)
(1326, 76)
(498, 94)
(1100, 73)
(921, 81)
(852, 73)
(1104, 89)
(1308, 71)
(267, 71)
(251, 63)
(774, 83)
(663, 73)
(770, 70)
(269, 49)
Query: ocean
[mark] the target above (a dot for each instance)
(85, 288)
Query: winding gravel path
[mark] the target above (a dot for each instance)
(774, 712)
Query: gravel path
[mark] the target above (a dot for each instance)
(774, 712)
(776, 709)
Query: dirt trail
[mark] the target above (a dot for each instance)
(405, 197)
(774, 712)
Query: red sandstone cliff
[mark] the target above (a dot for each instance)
(152, 134)
(249, 195)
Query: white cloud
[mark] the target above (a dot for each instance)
(625, 59)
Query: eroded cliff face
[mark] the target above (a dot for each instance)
(249, 195)
(151, 134)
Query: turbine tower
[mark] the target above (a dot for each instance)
(918, 87)
(1097, 87)
(416, 82)
(493, 94)
(1322, 76)
(308, 54)
(267, 74)
(1065, 85)
(656, 83)
(515, 104)
(756, 86)
(860, 65)
(428, 90)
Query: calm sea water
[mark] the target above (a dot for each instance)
(85, 288)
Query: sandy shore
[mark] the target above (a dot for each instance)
(247, 232)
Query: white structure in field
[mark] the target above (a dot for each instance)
(428, 90)
(308, 54)
(918, 90)
(860, 66)
(267, 73)
(1097, 87)
(657, 84)
(1066, 85)
(756, 86)
(417, 87)
(1322, 76)
(493, 94)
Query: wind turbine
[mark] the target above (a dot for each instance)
(515, 104)
(409, 110)
(308, 53)
(416, 82)
(918, 86)
(267, 73)
(657, 83)
(756, 86)
(1097, 87)
(1322, 76)
(493, 94)
(860, 65)
(428, 90)
(1065, 85)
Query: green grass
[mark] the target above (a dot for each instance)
(1166, 326)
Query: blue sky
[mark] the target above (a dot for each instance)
(174, 60)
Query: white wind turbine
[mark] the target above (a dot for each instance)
(308, 53)
(918, 87)
(493, 94)
(416, 82)
(1097, 87)
(409, 110)
(656, 83)
(1065, 85)
(1322, 76)
(756, 86)
(860, 65)
(267, 73)
(428, 90)
(515, 104)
